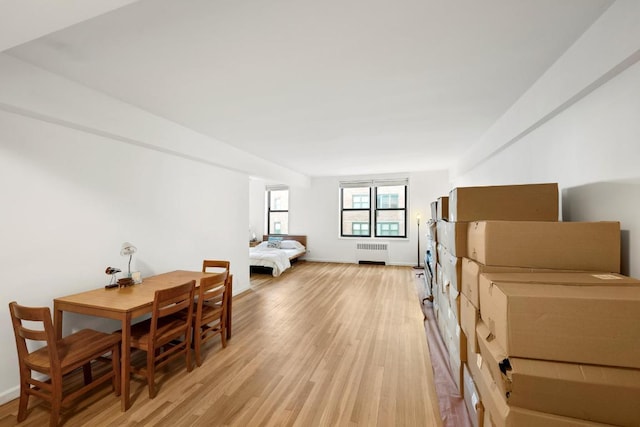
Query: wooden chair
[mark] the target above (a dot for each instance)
(209, 316)
(212, 263)
(58, 358)
(221, 264)
(159, 336)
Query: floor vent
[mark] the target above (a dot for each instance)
(372, 253)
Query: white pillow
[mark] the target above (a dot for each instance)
(291, 244)
(274, 244)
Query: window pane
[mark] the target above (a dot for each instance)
(279, 200)
(390, 223)
(360, 228)
(279, 223)
(390, 197)
(355, 198)
(355, 223)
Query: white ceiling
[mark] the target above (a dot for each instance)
(328, 87)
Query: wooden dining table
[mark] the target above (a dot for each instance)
(126, 304)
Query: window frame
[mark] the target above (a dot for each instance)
(270, 210)
(374, 210)
(343, 210)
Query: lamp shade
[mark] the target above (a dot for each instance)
(128, 249)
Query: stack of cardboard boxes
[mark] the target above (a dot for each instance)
(540, 328)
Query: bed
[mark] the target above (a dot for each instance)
(277, 253)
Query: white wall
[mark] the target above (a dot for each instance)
(69, 201)
(80, 173)
(257, 211)
(314, 211)
(589, 143)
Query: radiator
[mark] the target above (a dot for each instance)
(372, 252)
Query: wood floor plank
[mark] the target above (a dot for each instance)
(322, 345)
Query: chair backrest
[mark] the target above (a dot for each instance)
(213, 263)
(212, 290)
(45, 333)
(170, 301)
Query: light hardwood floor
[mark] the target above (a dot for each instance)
(322, 345)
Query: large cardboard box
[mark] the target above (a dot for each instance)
(432, 258)
(575, 323)
(453, 236)
(442, 208)
(472, 398)
(432, 230)
(532, 202)
(591, 246)
(451, 266)
(456, 339)
(596, 393)
(499, 414)
(471, 271)
(556, 277)
(469, 316)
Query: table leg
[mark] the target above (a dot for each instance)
(125, 362)
(57, 320)
(229, 306)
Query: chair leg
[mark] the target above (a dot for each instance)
(151, 372)
(197, 338)
(56, 402)
(223, 336)
(24, 398)
(187, 349)
(115, 365)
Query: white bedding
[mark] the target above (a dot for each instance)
(275, 258)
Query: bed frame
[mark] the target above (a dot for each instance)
(299, 238)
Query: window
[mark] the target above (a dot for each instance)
(388, 229)
(360, 201)
(386, 201)
(278, 210)
(390, 211)
(389, 214)
(355, 212)
(360, 228)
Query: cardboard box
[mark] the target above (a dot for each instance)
(433, 254)
(469, 316)
(555, 277)
(455, 342)
(453, 236)
(434, 210)
(471, 271)
(451, 266)
(487, 420)
(456, 372)
(456, 339)
(454, 302)
(472, 398)
(500, 414)
(432, 230)
(532, 202)
(439, 274)
(436, 292)
(442, 208)
(591, 246)
(596, 393)
(594, 324)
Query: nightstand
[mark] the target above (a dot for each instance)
(252, 244)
